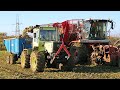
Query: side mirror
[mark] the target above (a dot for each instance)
(112, 25)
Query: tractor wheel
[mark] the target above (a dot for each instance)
(37, 61)
(13, 59)
(119, 62)
(69, 66)
(83, 54)
(74, 54)
(25, 60)
(118, 59)
(74, 58)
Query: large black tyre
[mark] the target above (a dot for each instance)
(83, 54)
(37, 61)
(119, 62)
(73, 60)
(25, 60)
(11, 58)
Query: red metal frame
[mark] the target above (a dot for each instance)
(59, 50)
(66, 28)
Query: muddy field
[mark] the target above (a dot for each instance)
(15, 71)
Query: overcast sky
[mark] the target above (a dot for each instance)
(31, 18)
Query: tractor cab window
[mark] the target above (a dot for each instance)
(48, 35)
(97, 30)
(86, 30)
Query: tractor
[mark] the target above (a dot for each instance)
(44, 45)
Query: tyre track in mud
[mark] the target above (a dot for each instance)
(16, 74)
(15, 71)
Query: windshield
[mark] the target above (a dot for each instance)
(96, 30)
(48, 35)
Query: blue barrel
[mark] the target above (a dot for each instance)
(16, 45)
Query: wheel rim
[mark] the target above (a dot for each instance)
(33, 62)
(8, 59)
(11, 59)
(37, 62)
(23, 60)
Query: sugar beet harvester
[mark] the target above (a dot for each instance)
(62, 45)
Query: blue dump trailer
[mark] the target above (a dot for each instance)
(15, 47)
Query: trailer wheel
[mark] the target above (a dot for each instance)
(8, 59)
(13, 58)
(37, 61)
(25, 60)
